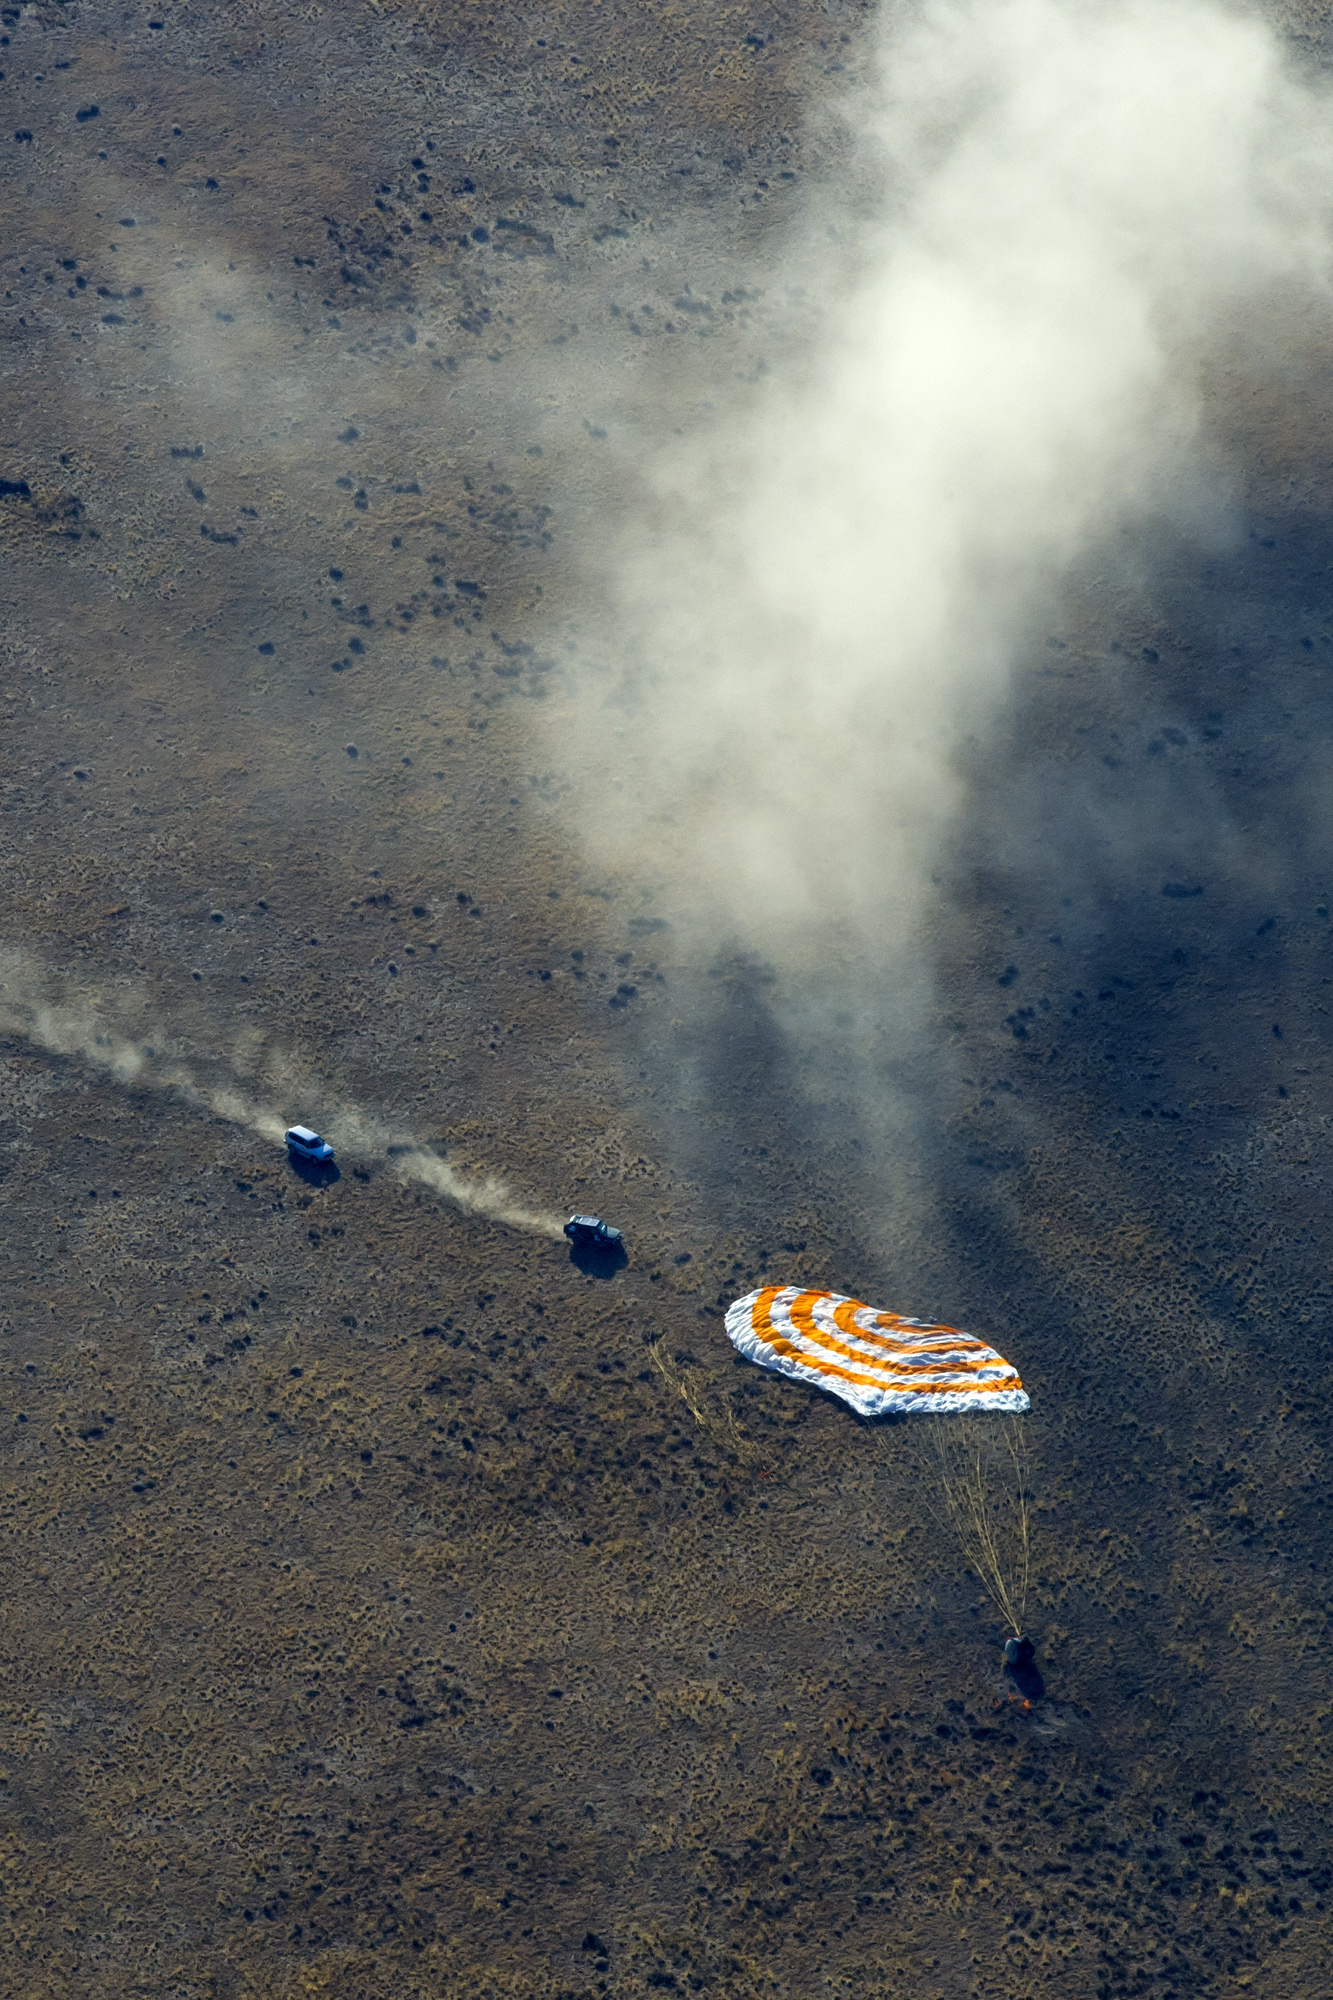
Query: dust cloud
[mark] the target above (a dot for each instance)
(83, 1025)
(1059, 222)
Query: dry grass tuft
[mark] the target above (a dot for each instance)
(711, 1411)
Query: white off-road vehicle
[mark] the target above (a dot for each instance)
(303, 1144)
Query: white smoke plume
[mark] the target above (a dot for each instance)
(1065, 220)
(74, 1024)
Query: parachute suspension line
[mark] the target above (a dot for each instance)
(983, 1491)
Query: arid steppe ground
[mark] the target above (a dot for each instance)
(378, 1618)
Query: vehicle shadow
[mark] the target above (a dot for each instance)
(598, 1261)
(312, 1172)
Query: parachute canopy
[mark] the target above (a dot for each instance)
(876, 1361)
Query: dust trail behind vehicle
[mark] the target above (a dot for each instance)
(88, 1028)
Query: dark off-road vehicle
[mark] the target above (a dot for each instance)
(592, 1233)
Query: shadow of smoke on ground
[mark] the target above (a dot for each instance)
(1135, 952)
(1148, 858)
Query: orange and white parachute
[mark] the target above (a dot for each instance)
(876, 1361)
